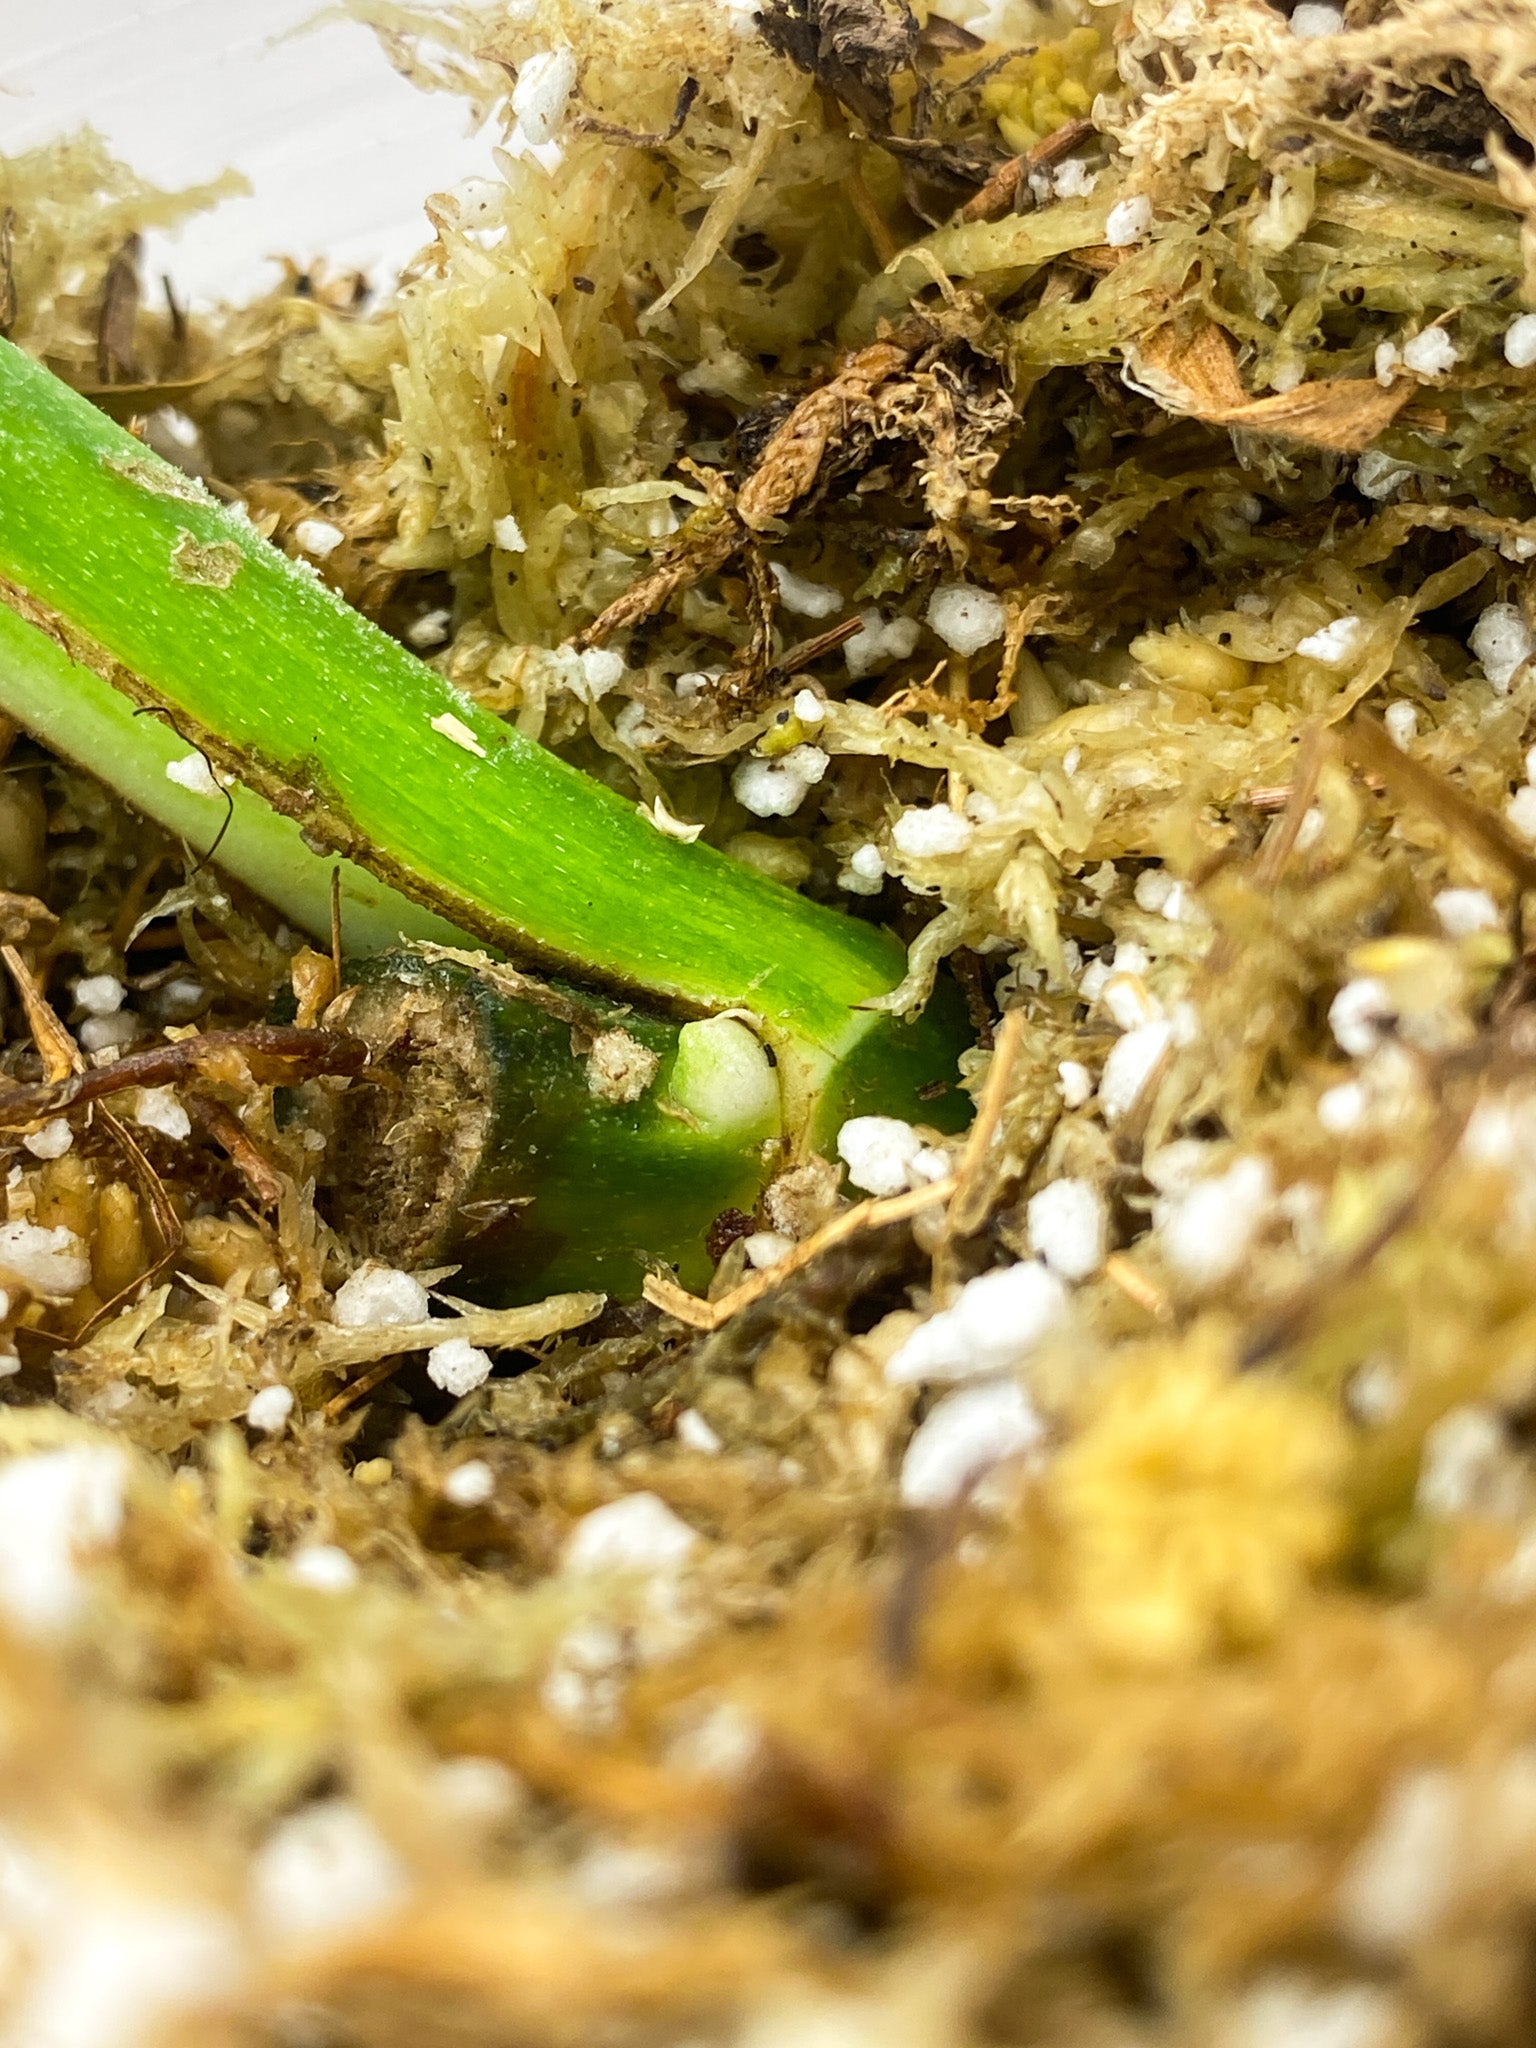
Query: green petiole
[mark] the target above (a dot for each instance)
(142, 623)
(530, 1137)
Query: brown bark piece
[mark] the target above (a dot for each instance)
(1002, 188)
(1196, 373)
(794, 456)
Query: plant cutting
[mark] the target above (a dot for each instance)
(152, 636)
(1080, 1594)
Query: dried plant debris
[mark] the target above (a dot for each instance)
(1058, 481)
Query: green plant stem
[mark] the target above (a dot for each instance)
(481, 1135)
(126, 589)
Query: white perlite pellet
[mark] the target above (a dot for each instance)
(1342, 1108)
(1068, 1225)
(1521, 813)
(1431, 353)
(54, 1506)
(1360, 1015)
(926, 831)
(377, 1295)
(695, 1434)
(1207, 1230)
(111, 1960)
(1502, 642)
(765, 1248)
(158, 1109)
(1316, 18)
(855, 884)
(269, 1410)
(477, 1788)
(1073, 179)
(430, 630)
(323, 1869)
(1128, 221)
(879, 642)
(884, 1155)
(1520, 342)
(508, 535)
(323, 1568)
(1461, 912)
(1468, 1466)
(961, 1439)
(99, 995)
(1402, 721)
(1152, 890)
(97, 1033)
(1132, 1062)
(182, 996)
(470, 1485)
(996, 1320)
(639, 1533)
(967, 618)
(634, 729)
(318, 537)
(807, 600)
(1335, 642)
(601, 670)
(1076, 1084)
(50, 1262)
(776, 789)
(1286, 2011)
(1129, 1001)
(52, 1141)
(193, 774)
(1400, 1879)
(457, 1366)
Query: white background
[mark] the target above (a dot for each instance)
(340, 149)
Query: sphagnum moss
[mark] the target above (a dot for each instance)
(1204, 1715)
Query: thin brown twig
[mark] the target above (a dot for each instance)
(699, 1314)
(231, 1136)
(804, 652)
(150, 1189)
(1290, 1323)
(925, 1539)
(968, 1210)
(1460, 184)
(1368, 745)
(119, 314)
(1135, 1284)
(9, 306)
(336, 924)
(1001, 189)
(61, 1057)
(1281, 842)
(871, 219)
(1268, 797)
(362, 1386)
(590, 124)
(64, 1064)
(279, 1051)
